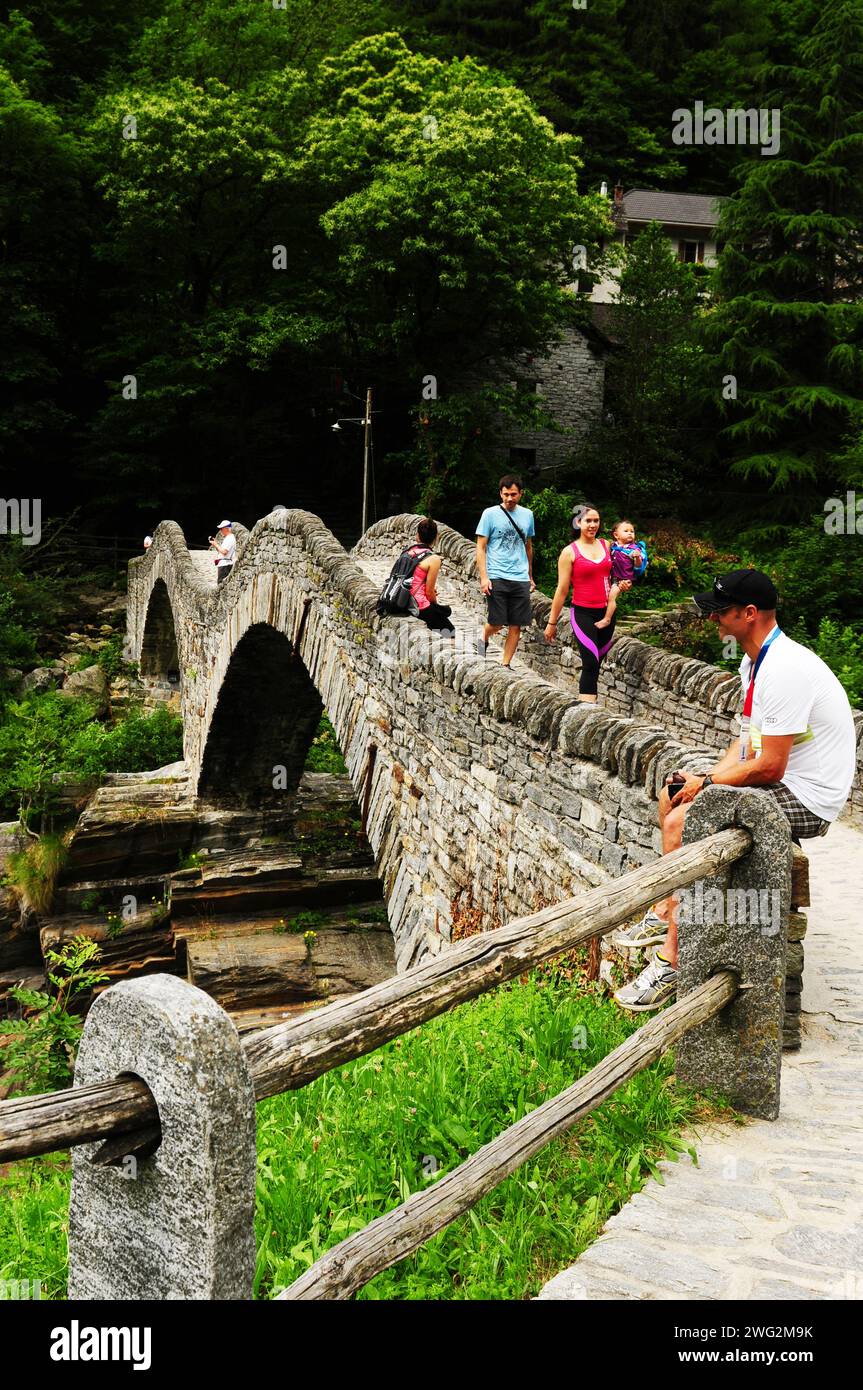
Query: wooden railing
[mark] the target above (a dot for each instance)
(290, 1055)
(123, 1115)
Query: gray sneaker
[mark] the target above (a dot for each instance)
(650, 931)
(656, 984)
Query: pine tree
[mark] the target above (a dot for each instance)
(788, 322)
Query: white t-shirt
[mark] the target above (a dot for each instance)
(797, 693)
(229, 543)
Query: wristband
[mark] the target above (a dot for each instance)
(708, 782)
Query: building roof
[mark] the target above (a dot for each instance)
(681, 209)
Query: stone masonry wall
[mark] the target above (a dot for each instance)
(489, 793)
(570, 383)
(695, 703)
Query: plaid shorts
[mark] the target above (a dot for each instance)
(805, 825)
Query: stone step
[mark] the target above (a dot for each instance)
(141, 945)
(103, 895)
(265, 880)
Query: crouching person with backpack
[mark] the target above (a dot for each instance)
(412, 585)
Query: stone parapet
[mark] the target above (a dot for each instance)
(696, 703)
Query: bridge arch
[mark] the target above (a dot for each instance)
(265, 718)
(160, 658)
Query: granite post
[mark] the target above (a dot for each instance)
(179, 1224)
(738, 920)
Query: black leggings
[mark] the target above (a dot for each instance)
(436, 617)
(592, 644)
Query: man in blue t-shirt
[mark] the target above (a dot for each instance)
(504, 558)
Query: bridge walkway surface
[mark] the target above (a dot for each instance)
(468, 623)
(774, 1210)
(204, 563)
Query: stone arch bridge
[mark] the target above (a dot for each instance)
(484, 793)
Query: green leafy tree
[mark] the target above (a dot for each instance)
(425, 215)
(238, 43)
(196, 202)
(788, 323)
(574, 64)
(80, 39)
(451, 203)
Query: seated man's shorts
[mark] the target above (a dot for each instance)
(804, 823)
(509, 603)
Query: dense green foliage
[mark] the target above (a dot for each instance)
(324, 754)
(327, 1166)
(30, 604)
(47, 736)
(31, 873)
(34, 1222)
(643, 453)
(612, 72)
(788, 323)
(427, 169)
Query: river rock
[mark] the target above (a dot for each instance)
(91, 684)
(41, 678)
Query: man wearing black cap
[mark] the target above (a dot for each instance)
(797, 744)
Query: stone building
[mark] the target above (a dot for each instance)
(570, 382)
(571, 379)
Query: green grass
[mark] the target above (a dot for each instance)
(359, 1140)
(327, 1164)
(34, 1219)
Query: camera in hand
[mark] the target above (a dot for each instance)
(675, 782)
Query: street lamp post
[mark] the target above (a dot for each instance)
(366, 422)
(367, 434)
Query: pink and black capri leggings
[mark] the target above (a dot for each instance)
(592, 644)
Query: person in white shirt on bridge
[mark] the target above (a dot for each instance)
(226, 546)
(797, 744)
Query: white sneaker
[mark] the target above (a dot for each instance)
(656, 984)
(650, 931)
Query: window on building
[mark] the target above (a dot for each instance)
(522, 460)
(690, 252)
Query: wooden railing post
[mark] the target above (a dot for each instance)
(177, 1224)
(737, 920)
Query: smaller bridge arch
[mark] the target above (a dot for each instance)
(159, 654)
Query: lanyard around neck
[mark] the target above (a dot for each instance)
(747, 703)
(746, 719)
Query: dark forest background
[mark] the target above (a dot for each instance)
(427, 169)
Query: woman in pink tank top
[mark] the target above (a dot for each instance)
(424, 583)
(584, 567)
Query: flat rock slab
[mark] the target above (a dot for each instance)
(773, 1209)
(265, 968)
(269, 881)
